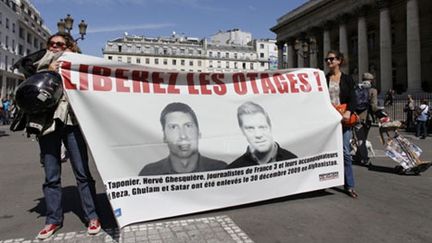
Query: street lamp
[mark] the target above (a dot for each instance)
(66, 24)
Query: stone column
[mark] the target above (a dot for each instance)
(413, 47)
(290, 54)
(326, 46)
(363, 56)
(343, 43)
(280, 46)
(300, 54)
(313, 47)
(3, 86)
(385, 48)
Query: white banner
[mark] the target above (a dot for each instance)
(168, 143)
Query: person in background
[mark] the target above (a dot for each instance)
(342, 91)
(422, 118)
(388, 98)
(6, 105)
(367, 104)
(64, 129)
(409, 109)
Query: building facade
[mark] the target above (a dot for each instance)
(390, 38)
(224, 53)
(22, 32)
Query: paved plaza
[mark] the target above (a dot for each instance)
(391, 207)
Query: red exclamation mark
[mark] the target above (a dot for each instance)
(317, 76)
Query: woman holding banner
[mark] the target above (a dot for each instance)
(65, 128)
(341, 88)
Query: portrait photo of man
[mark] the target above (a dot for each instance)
(256, 126)
(181, 133)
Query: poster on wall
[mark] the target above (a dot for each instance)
(170, 143)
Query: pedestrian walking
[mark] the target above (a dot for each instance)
(409, 110)
(423, 115)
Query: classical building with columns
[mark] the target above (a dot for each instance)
(390, 38)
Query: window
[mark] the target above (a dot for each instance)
(262, 46)
(138, 60)
(227, 65)
(109, 57)
(235, 55)
(182, 51)
(210, 54)
(165, 61)
(147, 60)
(119, 48)
(119, 59)
(218, 54)
(7, 23)
(13, 27)
(21, 33)
(35, 43)
(244, 65)
(20, 50)
(251, 66)
(7, 42)
(182, 62)
(261, 55)
(13, 46)
(262, 64)
(190, 63)
(174, 62)
(199, 63)
(129, 59)
(156, 61)
(211, 64)
(190, 51)
(156, 50)
(219, 64)
(29, 38)
(227, 54)
(165, 51)
(199, 52)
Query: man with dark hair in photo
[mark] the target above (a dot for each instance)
(256, 127)
(181, 133)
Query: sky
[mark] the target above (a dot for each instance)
(110, 19)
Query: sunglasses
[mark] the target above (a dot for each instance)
(56, 44)
(331, 59)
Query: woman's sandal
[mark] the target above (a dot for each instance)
(352, 193)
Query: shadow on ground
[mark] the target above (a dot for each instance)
(71, 204)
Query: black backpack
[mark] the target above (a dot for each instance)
(362, 98)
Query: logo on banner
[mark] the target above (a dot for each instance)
(329, 176)
(117, 212)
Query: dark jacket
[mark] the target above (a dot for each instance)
(248, 160)
(347, 91)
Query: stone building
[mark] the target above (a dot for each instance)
(389, 38)
(22, 32)
(229, 51)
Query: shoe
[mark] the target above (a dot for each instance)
(48, 231)
(423, 137)
(352, 193)
(94, 227)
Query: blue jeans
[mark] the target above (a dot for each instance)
(421, 125)
(349, 176)
(50, 145)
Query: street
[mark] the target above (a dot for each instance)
(390, 207)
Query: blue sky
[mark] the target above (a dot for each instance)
(109, 19)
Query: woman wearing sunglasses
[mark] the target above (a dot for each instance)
(64, 129)
(341, 88)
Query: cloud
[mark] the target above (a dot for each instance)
(127, 27)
